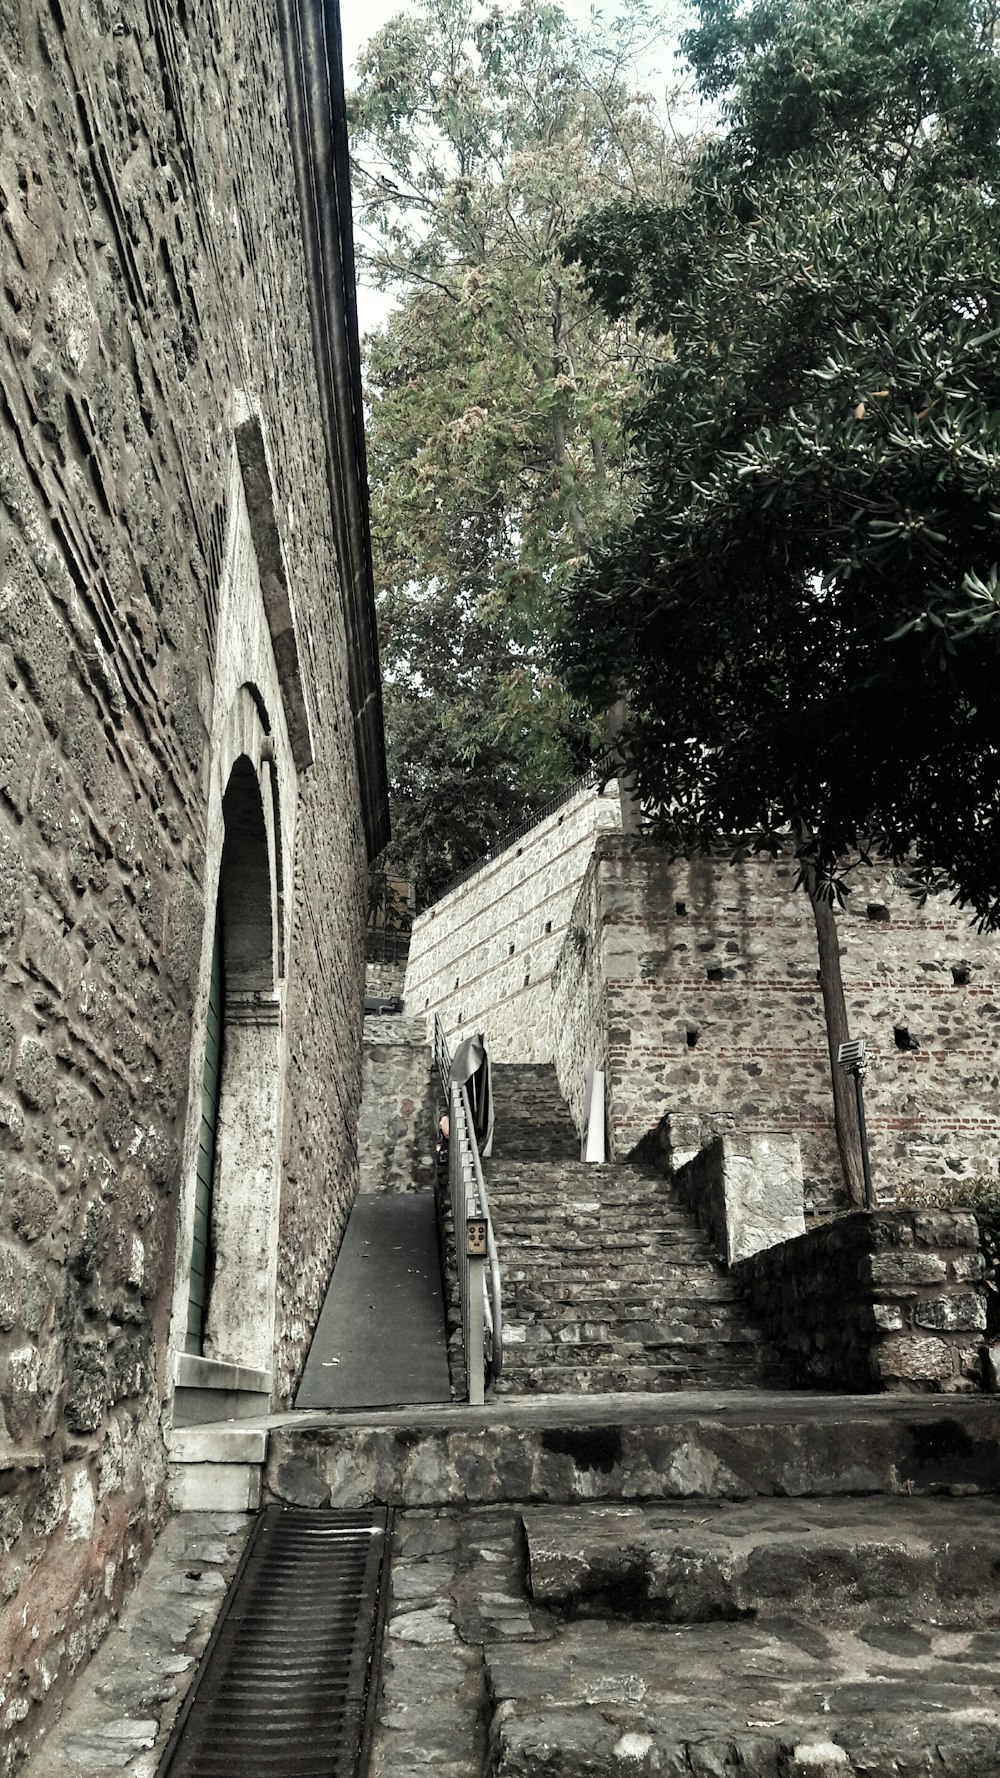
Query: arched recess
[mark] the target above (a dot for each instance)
(235, 1200)
(254, 760)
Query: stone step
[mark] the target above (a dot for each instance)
(612, 1183)
(629, 1275)
(639, 1377)
(655, 1213)
(779, 1698)
(591, 1336)
(866, 1561)
(647, 1446)
(598, 1240)
(522, 1304)
(627, 1303)
(532, 1122)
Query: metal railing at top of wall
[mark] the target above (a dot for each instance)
(601, 771)
(475, 1246)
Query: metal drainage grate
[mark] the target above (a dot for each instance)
(283, 1685)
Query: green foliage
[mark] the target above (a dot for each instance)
(980, 1192)
(481, 134)
(803, 611)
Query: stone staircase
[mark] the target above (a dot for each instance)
(608, 1282)
(532, 1122)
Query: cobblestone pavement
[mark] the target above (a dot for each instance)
(457, 1583)
(120, 1712)
(802, 1640)
(806, 1639)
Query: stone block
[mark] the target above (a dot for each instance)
(35, 1074)
(966, 1268)
(762, 1183)
(214, 1487)
(946, 1228)
(217, 1444)
(20, 1382)
(16, 751)
(30, 1202)
(903, 1271)
(962, 1309)
(11, 1287)
(887, 1317)
(914, 1360)
(87, 1384)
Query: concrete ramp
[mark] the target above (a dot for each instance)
(380, 1340)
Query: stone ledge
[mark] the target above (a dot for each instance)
(217, 1444)
(719, 1445)
(194, 1372)
(214, 1487)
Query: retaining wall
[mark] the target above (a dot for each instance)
(888, 1302)
(482, 956)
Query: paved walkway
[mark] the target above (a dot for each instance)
(118, 1717)
(466, 1628)
(381, 1336)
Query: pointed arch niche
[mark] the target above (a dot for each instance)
(223, 1319)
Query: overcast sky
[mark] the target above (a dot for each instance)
(360, 19)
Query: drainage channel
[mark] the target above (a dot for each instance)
(286, 1687)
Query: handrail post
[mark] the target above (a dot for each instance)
(475, 1246)
(475, 1356)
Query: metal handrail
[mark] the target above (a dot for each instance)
(482, 1314)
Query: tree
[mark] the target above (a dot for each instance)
(480, 135)
(803, 611)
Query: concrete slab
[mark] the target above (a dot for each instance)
(217, 1444)
(214, 1487)
(381, 1335)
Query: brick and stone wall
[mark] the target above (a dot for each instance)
(891, 1301)
(150, 269)
(482, 956)
(697, 983)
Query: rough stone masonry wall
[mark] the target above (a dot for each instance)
(398, 1107)
(714, 1018)
(892, 1301)
(482, 956)
(579, 999)
(149, 268)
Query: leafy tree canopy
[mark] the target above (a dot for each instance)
(481, 134)
(803, 611)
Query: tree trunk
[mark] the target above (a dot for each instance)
(845, 1112)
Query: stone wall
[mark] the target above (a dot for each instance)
(891, 1301)
(746, 1192)
(579, 1014)
(481, 957)
(702, 977)
(152, 293)
(398, 1107)
(385, 980)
